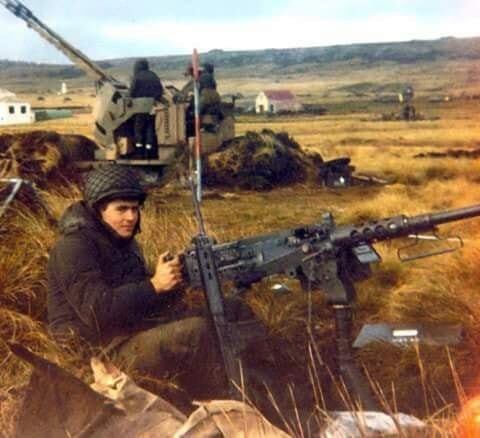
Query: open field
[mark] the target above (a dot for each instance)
(440, 289)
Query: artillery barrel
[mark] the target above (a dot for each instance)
(76, 56)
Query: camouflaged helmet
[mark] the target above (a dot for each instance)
(112, 182)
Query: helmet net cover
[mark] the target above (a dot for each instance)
(112, 182)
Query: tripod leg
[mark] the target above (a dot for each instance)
(354, 379)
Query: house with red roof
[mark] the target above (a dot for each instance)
(274, 101)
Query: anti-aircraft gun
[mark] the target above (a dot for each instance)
(114, 109)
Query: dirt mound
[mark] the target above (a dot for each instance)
(451, 153)
(43, 157)
(261, 161)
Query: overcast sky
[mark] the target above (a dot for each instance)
(128, 28)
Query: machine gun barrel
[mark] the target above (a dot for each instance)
(451, 215)
(398, 226)
(76, 56)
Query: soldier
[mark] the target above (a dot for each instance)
(406, 97)
(100, 290)
(209, 97)
(145, 83)
(210, 102)
(207, 79)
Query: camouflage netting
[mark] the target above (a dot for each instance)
(261, 161)
(43, 157)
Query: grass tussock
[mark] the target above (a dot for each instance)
(26, 239)
(22, 272)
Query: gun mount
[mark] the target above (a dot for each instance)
(114, 108)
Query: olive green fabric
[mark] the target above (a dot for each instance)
(210, 102)
(99, 286)
(207, 80)
(183, 347)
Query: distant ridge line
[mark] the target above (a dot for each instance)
(268, 61)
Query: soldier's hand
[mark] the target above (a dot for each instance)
(168, 273)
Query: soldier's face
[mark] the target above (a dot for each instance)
(122, 216)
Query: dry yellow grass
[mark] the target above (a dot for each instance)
(437, 289)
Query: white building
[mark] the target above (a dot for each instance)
(14, 111)
(274, 101)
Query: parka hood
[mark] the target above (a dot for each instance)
(76, 217)
(208, 67)
(140, 65)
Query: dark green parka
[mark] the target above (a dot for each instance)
(145, 82)
(99, 286)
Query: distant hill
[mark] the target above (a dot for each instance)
(403, 52)
(265, 62)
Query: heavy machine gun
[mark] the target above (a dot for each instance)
(114, 108)
(323, 256)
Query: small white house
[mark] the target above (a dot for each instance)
(274, 101)
(15, 112)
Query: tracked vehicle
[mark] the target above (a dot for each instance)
(114, 108)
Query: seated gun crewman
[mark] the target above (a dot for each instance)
(145, 83)
(210, 101)
(100, 290)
